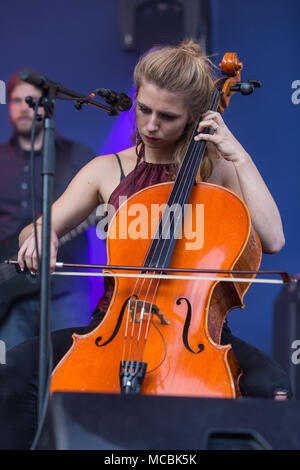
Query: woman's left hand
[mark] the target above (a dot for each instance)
(226, 145)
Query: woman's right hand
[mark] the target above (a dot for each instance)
(27, 256)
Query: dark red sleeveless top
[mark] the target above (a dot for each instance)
(144, 174)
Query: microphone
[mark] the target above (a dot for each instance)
(121, 101)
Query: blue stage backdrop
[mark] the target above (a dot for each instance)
(78, 44)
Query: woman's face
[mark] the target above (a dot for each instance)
(161, 116)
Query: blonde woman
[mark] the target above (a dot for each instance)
(173, 89)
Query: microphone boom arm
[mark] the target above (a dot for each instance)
(41, 81)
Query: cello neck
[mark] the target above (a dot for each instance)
(191, 161)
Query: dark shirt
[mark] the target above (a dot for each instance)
(15, 197)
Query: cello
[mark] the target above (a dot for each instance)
(162, 336)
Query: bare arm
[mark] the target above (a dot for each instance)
(80, 198)
(262, 207)
(240, 174)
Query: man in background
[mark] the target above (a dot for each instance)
(19, 293)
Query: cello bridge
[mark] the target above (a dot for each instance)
(140, 310)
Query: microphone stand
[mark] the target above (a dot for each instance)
(48, 170)
(50, 91)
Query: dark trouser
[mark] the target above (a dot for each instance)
(19, 381)
(262, 376)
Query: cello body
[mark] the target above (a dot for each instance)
(173, 327)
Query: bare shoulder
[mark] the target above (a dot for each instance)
(128, 159)
(106, 172)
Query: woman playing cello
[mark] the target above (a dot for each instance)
(173, 88)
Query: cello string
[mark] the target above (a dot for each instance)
(137, 293)
(179, 194)
(138, 280)
(126, 328)
(140, 323)
(187, 170)
(157, 247)
(144, 339)
(150, 315)
(187, 173)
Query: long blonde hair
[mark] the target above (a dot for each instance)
(183, 70)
